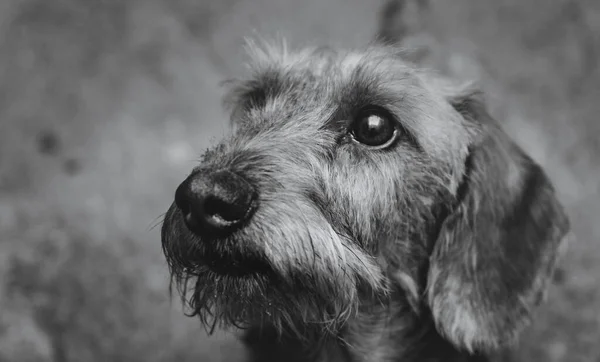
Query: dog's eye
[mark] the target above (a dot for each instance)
(374, 128)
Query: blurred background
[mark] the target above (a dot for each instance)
(105, 106)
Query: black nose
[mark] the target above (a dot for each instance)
(215, 203)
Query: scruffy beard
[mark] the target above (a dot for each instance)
(290, 295)
(258, 299)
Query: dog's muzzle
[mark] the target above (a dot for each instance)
(214, 204)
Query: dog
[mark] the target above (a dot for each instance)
(363, 209)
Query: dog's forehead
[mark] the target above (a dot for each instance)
(285, 84)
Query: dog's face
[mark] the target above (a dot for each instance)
(349, 176)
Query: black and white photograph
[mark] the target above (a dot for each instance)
(299, 181)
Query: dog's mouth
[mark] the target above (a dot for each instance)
(234, 264)
(227, 256)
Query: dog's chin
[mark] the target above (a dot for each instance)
(239, 297)
(242, 296)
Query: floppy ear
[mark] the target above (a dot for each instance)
(497, 249)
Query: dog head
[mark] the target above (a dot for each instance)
(353, 175)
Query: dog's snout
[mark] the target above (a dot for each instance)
(215, 202)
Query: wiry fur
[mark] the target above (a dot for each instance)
(437, 248)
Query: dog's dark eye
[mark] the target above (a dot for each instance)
(374, 128)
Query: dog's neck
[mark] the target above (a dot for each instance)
(396, 333)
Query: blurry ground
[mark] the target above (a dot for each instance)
(105, 105)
